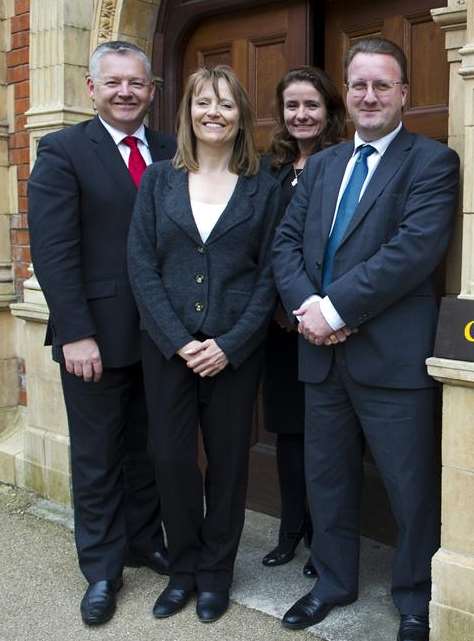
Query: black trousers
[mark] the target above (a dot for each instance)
(202, 543)
(399, 429)
(116, 504)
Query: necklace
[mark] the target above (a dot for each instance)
(297, 173)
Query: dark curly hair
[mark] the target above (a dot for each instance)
(284, 148)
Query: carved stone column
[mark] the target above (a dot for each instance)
(452, 605)
(59, 53)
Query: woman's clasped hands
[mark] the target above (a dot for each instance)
(204, 357)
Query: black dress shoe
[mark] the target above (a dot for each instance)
(308, 611)
(156, 561)
(211, 606)
(171, 601)
(99, 602)
(309, 570)
(413, 627)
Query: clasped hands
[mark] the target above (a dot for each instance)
(204, 357)
(316, 330)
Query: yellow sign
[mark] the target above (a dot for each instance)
(468, 331)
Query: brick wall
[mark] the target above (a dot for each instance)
(17, 60)
(18, 140)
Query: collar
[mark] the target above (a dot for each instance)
(380, 145)
(118, 135)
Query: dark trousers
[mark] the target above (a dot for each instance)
(116, 504)
(202, 544)
(398, 427)
(290, 463)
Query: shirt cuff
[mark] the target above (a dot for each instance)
(330, 314)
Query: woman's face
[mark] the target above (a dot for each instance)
(304, 111)
(215, 119)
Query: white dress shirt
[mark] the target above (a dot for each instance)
(327, 308)
(124, 149)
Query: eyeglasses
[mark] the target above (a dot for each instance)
(137, 85)
(379, 87)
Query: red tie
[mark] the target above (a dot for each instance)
(136, 163)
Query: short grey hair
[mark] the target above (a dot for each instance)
(122, 48)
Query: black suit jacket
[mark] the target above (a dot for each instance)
(81, 199)
(384, 265)
(222, 288)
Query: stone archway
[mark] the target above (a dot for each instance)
(132, 20)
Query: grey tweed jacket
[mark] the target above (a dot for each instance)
(222, 288)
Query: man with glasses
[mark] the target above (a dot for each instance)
(81, 196)
(354, 261)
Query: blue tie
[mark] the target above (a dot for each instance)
(345, 211)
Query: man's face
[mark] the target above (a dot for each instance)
(123, 92)
(377, 109)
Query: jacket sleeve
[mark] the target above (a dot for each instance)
(412, 253)
(157, 314)
(292, 280)
(54, 221)
(249, 331)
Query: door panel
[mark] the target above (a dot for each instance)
(409, 24)
(260, 45)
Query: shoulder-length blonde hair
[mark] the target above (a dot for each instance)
(244, 158)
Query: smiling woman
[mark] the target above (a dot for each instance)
(199, 256)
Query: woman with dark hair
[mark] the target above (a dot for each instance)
(200, 267)
(310, 117)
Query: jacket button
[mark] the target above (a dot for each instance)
(198, 306)
(317, 265)
(199, 278)
(201, 249)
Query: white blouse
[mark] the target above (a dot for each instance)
(206, 216)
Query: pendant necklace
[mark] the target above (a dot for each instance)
(297, 173)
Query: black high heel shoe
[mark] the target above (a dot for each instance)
(283, 553)
(309, 570)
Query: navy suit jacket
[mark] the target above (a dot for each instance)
(383, 269)
(222, 288)
(81, 199)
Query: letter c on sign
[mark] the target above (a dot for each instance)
(468, 332)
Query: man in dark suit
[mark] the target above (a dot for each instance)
(366, 229)
(81, 196)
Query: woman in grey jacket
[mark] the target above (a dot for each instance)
(199, 260)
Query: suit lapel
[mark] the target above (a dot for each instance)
(387, 167)
(334, 171)
(178, 205)
(111, 159)
(238, 209)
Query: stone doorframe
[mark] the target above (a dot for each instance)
(61, 40)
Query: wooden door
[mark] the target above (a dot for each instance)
(261, 45)
(409, 24)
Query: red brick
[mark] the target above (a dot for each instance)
(22, 89)
(21, 271)
(18, 57)
(22, 187)
(20, 237)
(22, 6)
(18, 140)
(21, 105)
(20, 39)
(22, 204)
(17, 74)
(23, 172)
(20, 122)
(20, 23)
(19, 156)
(18, 221)
(21, 254)
(22, 398)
